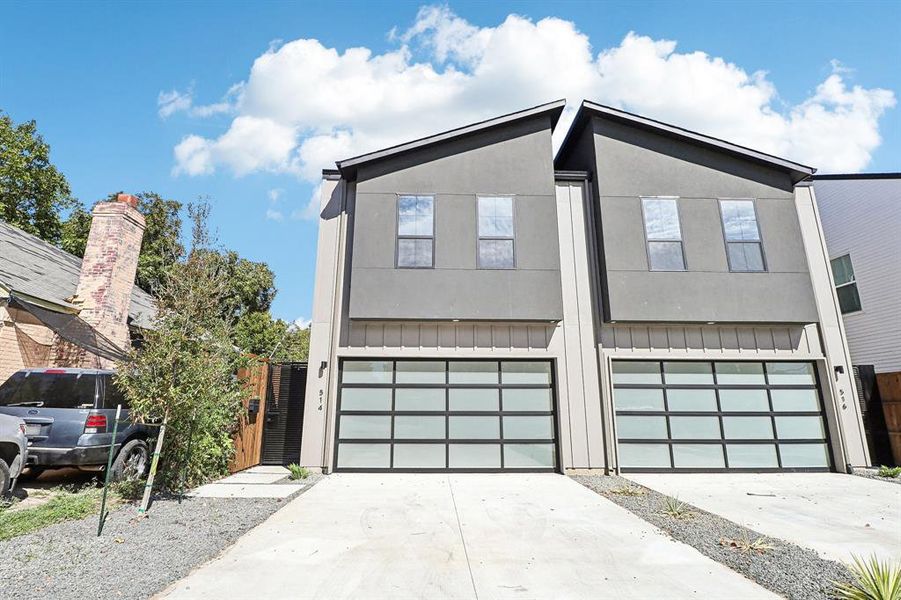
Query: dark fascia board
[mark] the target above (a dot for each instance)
(840, 176)
(797, 171)
(348, 167)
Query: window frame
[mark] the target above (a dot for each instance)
(647, 240)
(726, 242)
(846, 284)
(398, 237)
(480, 237)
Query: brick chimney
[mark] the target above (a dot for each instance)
(109, 266)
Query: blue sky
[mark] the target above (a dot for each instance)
(118, 88)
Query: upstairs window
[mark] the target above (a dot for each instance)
(845, 284)
(416, 232)
(496, 237)
(663, 234)
(742, 235)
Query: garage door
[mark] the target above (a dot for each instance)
(445, 415)
(702, 416)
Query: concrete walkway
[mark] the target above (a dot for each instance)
(459, 536)
(837, 515)
(255, 482)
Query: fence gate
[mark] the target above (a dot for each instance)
(283, 421)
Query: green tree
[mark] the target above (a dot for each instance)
(251, 284)
(184, 372)
(258, 333)
(161, 246)
(32, 191)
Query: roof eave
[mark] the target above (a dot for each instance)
(348, 167)
(797, 171)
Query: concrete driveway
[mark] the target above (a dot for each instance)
(837, 515)
(458, 536)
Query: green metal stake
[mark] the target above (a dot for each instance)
(148, 487)
(109, 467)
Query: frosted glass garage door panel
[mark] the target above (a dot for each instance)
(420, 456)
(366, 399)
(367, 371)
(638, 399)
(419, 399)
(644, 456)
(364, 427)
(752, 456)
(529, 455)
(475, 456)
(525, 399)
(801, 456)
(364, 456)
(701, 456)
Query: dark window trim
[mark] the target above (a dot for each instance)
(648, 241)
(847, 284)
(398, 237)
(726, 241)
(480, 237)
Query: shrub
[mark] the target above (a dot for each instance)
(298, 472)
(184, 373)
(873, 580)
(890, 472)
(677, 509)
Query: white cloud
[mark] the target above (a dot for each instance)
(302, 323)
(171, 102)
(305, 105)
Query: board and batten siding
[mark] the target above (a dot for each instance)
(862, 217)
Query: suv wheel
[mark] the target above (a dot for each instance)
(5, 478)
(132, 459)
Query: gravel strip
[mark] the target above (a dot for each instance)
(136, 557)
(787, 569)
(874, 474)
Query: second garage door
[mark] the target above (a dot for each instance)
(446, 415)
(701, 416)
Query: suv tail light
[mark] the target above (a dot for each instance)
(95, 424)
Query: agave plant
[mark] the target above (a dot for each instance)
(873, 580)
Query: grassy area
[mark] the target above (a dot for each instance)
(63, 506)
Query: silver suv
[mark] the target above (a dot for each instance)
(13, 451)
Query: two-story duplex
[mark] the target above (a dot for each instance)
(651, 299)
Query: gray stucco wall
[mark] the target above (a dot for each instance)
(631, 163)
(513, 160)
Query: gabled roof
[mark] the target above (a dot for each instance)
(348, 167)
(588, 109)
(35, 269)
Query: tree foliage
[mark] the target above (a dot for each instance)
(32, 191)
(185, 371)
(258, 333)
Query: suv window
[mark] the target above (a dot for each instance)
(49, 390)
(110, 394)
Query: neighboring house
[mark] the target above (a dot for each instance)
(58, 310)
(653, 299)
(861, 216)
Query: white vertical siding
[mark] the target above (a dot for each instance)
(862, 217)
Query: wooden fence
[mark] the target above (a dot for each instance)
(890, 392)
(249, 437)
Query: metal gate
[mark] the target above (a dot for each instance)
(283, 423)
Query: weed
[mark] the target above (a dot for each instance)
(298, 472)
(628, 490)
(65, 506)
(889, 472)
(677, 509)
(131, 486)
(746, 545)
(873, 580)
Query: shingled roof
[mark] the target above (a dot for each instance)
(31, 267)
